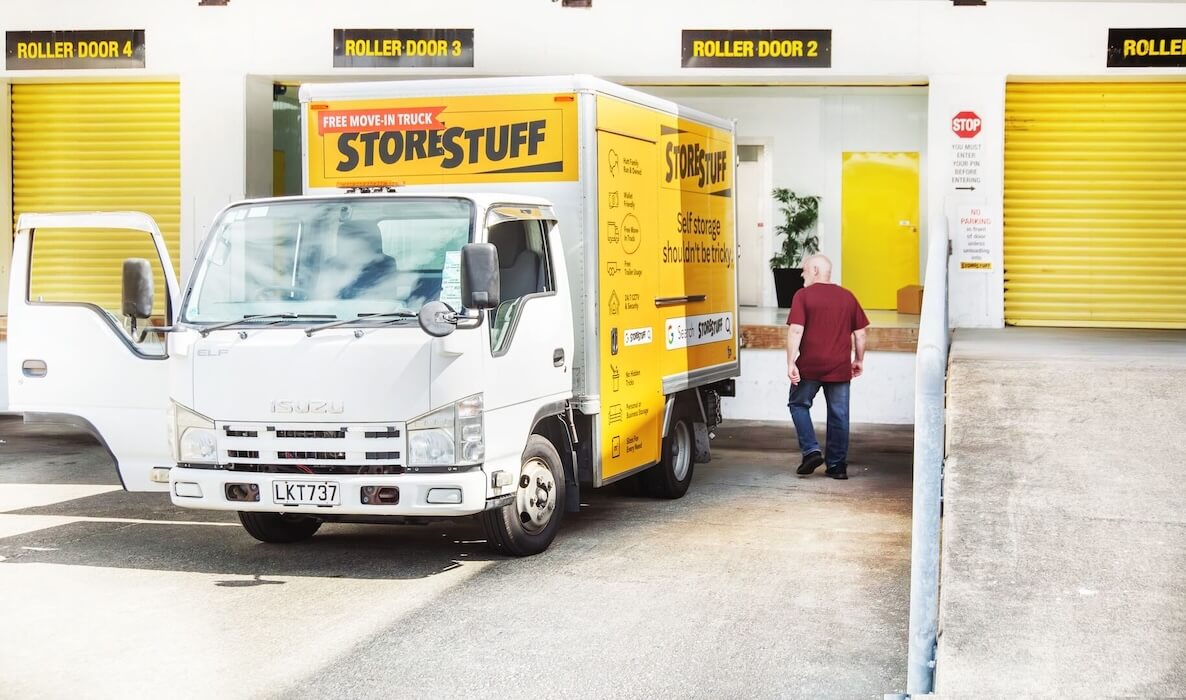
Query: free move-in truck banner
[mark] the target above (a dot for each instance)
(442, 140)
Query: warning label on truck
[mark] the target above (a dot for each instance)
(441, 140)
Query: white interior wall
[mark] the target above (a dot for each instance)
(806, 130)
(883, 394)
(873, 120)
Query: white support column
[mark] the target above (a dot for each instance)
(954, 162)
(259, 136)
(213, 144)
(6, 214)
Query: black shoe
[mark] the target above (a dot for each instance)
(840, 471)
(810, 462)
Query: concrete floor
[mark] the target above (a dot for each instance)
(758, 583)
(1064, 526)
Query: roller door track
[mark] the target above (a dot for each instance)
(96, 147)
(1095, 205)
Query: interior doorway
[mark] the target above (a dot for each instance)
(752, 207)
(879, 225)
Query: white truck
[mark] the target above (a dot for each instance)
(493, 293)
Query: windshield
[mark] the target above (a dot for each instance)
(330, 258)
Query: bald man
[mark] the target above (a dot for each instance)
(825, 350)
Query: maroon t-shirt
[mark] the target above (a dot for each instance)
(829, 314)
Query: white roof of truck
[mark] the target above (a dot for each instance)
(481, 199)
(518, 85)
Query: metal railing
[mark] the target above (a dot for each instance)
(930, 381)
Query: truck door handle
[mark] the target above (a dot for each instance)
(674, 301)
(558, 357)
(34, 368)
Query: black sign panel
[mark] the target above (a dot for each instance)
(757, 48)
(403, 48)
(1147, 48)
(55, 50)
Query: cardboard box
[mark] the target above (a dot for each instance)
(910, 299)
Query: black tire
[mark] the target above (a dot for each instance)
(512, 529)
(671, 477)
(279, 528)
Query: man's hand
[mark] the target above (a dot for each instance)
(793, 373)
(857, 367)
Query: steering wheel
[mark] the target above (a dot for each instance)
(281, 292)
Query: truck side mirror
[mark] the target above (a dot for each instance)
(479, 276)
(137, 288)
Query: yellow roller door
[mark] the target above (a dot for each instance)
(95, 147)
(1095, 205)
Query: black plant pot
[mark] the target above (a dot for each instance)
(787, 281)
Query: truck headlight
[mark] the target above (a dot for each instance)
(451, 435)
(194, 439)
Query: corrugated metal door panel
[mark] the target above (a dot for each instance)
(1095, 204)
(98, 147)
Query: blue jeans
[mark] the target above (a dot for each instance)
(836, 396)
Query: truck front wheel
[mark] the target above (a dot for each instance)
(529, 525)
(671, 477)
(278, 528)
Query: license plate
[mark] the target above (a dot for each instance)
(305, 493)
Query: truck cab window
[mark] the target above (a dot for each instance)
(327, 258)
(97, 282)
(523, 271)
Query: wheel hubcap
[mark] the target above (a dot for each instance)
(681, 451)
(536, 496)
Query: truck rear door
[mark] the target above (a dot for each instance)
(72, 356)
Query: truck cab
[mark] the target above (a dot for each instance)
(355, 357)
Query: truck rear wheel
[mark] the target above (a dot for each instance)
(529, 525)
(671, 477)
(278, 528)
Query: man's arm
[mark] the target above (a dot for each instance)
(858, 342)
(794, 337)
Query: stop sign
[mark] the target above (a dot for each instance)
(965, 125)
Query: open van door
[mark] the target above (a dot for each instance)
(73, 356)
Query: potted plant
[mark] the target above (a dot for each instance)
(798, 241)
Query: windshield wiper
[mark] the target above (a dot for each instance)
(256, 317)
(393, 315)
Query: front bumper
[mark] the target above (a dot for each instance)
(413, 492)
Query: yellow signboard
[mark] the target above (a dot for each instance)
(666, 268)
(442, 140)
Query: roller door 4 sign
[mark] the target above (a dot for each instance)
(56, 50)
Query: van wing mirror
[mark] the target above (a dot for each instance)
(137, 288)
(479, 276)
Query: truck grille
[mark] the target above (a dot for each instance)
(316, 469)
(312, 449)
(307, 456)
(327, 434)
